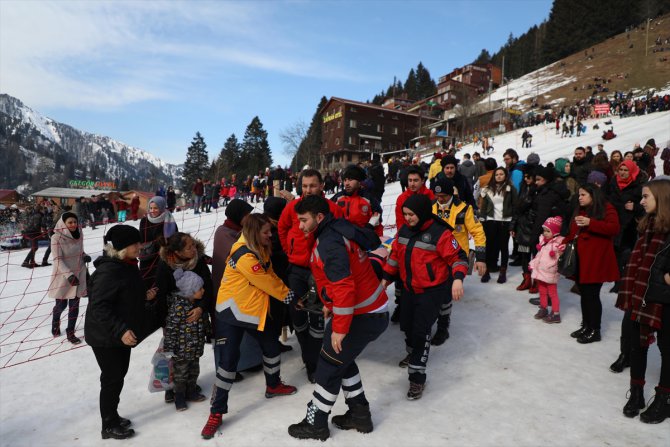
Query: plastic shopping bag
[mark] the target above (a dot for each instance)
(161, 370)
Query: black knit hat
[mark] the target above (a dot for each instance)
(546, 172)
(237, 210)
(421, 206)
(354, 172)
(122, 236)
(274, 206)
(443, 185)
(67, 215)
(449, 160)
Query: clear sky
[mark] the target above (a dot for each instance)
(151, 73)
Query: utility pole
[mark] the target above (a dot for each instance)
(646, 39)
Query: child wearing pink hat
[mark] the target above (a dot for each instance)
(544, 269)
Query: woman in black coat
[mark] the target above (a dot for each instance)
(116, 320)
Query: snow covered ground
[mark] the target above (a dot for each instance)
(502, 379)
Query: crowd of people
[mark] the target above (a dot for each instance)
(318, 266)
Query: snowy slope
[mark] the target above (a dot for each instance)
(502, 379)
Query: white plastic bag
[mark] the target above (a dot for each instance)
(161, 378)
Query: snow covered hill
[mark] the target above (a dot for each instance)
(502, 379)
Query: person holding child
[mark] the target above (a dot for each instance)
(544, 269)
(185, 338)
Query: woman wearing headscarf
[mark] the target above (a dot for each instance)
(116, 317)
(68, 276)
(158, 225)
(645, 297)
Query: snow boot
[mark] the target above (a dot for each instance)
(357, 418)
(124, 423)
(659, 408)
(111, 428)
(280, 390)
(502, 276)
(212, 425)
(579, 332)
(525, 284)
(635, 402)
(314, 426)
(620, 363)
(533, 287)
(180, 401)
(415, 391)
(590, 336)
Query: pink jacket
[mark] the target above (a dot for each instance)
(544, 266)
(232, 192)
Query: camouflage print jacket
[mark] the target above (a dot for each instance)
(185, 340)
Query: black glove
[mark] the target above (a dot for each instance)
(86, 259)
(73, 280)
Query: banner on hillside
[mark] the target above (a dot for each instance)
(602, 109)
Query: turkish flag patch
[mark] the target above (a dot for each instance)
(256, 268)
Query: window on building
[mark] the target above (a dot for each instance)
(378, 144)
(338, 124)
(337, 141)
(380, 128)
(352, 140)
(394, 130)
(352, 124)
(353, 109)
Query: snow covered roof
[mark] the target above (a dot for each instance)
(69, 192)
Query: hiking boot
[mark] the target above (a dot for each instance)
(541, 313)
(404, 362)
(579, 332)
(180, 401)
(357, 418)
(635, 401)
(659, 408)
(415, 391)
(620, 363)
(552, 318)
(590, 336)
(169, 396)
(72, 338)
(441, 335)
(117, 432)
(525, 283)
(280, 390)
(535, 301)
(502, 276)
(305, 430)
(212, 425)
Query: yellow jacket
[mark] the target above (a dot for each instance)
(248, 283)
(435, 168)
(461, 217)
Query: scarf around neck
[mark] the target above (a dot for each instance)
(169, 224)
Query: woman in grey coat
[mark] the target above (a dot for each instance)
(68, 277)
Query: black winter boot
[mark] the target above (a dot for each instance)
(620, 363)
(72, 338)
(486, 277)
(314, 426)
(111, 428)
(635, 401)
(579, 332)
(502, 276)
(357, 418)
(441, 335)
(589, 336)
(659, 408)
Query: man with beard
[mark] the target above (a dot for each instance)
(360, 207)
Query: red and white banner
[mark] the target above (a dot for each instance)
(602, 109)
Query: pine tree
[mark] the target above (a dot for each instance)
(255, 155)
(411, 85)
(483, 58)
(197, 162)
(229, 158)
(425, 86)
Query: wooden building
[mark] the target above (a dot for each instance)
(354, 131)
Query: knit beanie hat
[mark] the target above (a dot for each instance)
(449, 160)
(237, 210)
(443, 185)
(421, 206)
(354, 172)
(122, 236)
(533, 159)
(187, 282)
(559, 165)
(596, 177)
(159, 201)
(274, 206)
(546, 172)
(553, 224)
(67, 215)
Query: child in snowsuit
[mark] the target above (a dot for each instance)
(544, 269)
(186, 340)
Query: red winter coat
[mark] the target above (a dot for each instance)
(595, 248)
(359, 208)
(294, 242)
(399, 218)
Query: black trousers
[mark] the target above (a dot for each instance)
(592, 308)
(418, 313)
(497, 242)
(335, 371)
(638, 353)
(113, 364)
(72, 314)
(308, 327)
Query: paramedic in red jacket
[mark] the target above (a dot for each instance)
(424, 254)
(298, 247)
(352, 295)
(359, 206)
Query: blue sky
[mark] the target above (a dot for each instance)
(151, 74)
